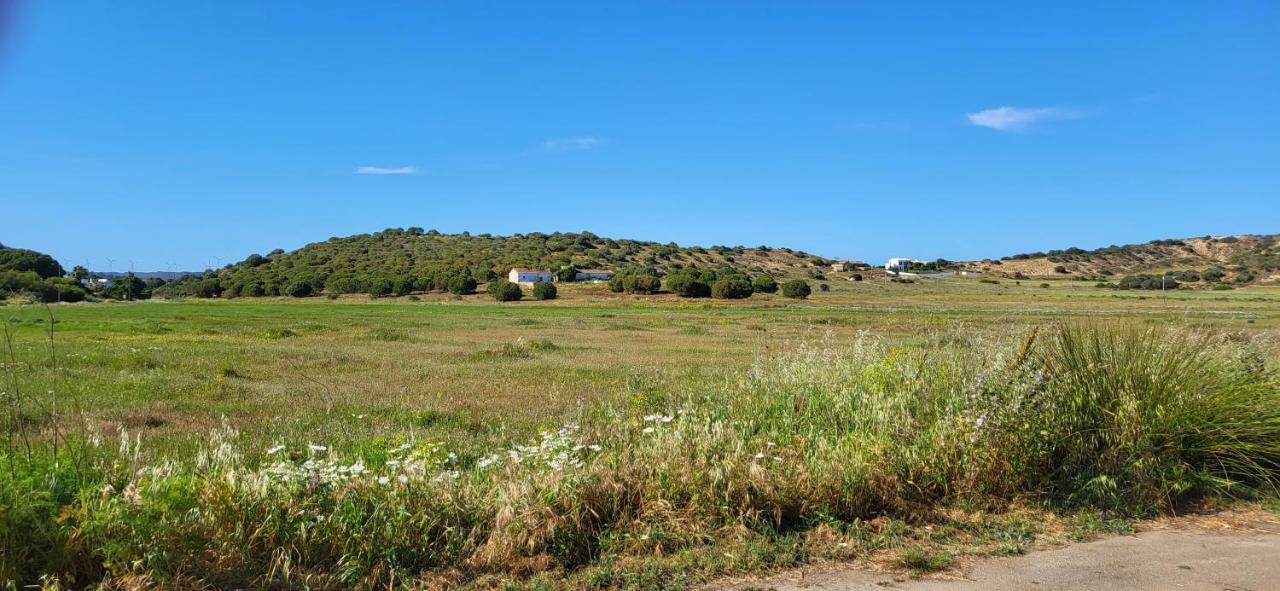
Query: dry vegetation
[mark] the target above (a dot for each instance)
(660, 442)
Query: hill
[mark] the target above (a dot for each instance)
(35, 274)
(404, 260)
(1229, 259)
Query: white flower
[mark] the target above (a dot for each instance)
(594, 447)
(759, 456)
(384, 480)
(317, 448)
(275, 450)
(648, 429)
(402, 478)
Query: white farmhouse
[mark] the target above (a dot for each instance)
(528, 276)
(897, 263)
(593, 275)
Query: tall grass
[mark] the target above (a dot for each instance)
(827, 436)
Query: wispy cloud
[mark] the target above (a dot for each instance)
(570, 144)
(1018, 118)
(384, 170)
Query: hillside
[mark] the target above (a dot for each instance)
(418, 260)
(1238, 259)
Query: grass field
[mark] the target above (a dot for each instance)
(358, 378)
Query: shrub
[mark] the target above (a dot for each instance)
(764, 284)
(857, 276)
(796, 288)
(504, 291)
(687, 285)
(300, 289)
(1060, 269)
(643, 284)
(824, 287)
(461, 285)
(381, 287)
(544, 290)
(731, 287)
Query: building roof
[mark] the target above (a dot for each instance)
(523, 270)
(594, 271)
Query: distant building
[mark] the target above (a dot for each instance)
(528, 276)
(593, 275)
(899, 263)
(840, 266)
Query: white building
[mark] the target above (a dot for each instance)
(593, 275)
(528, 276)
(898, 263)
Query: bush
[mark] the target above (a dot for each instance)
(764, 284)
(732, 287)
(688, 285)
(461, 285)
(1061, 269)
(1155, 282)
(643, 284)
(796, 288)
(300, 289)
(857, 276)
(544, 290)
(381, 287)
(824, 287)
(504, 291)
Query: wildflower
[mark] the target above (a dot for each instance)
(402, 478)
(777, 458)
(594, 447)
(275, 450)
(648, 429)
(759, 456)
(317, 448)
(383, 480)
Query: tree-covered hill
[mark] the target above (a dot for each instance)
(396, 261)
(35, 274)
(1208, 259)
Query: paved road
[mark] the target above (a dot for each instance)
(1179, 559)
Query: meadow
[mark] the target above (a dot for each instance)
(603, 440)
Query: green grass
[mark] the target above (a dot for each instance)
(782, 433)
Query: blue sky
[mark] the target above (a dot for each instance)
(176, 135)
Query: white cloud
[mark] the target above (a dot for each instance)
(383, 170)
(571, 144)
(1017, 118)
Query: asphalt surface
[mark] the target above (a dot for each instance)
(1190, 558)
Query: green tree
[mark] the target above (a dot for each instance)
(461, 285)
(504, 291)
(732, 287)
(687, 284)
(796, 288)
(544, 290)
(644, 284)
(381, 287)
(764, 284)
(300, 289)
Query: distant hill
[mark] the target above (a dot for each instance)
(403, 256)
(1235, 259)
